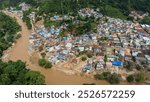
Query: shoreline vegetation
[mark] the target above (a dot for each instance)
(12, 73)
(8, 32)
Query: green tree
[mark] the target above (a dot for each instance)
(146, 20)
(44, 63)
(26, 19)
(83, 58)
(129, 66)
(99, 77)
(34, 78)
(5, 80)
(48, 65)
(16, 73)
(130, 78)
(8, 31)
(114, 12)
(106, 75)
(89, 55)
(138, 67)
(139, 77)
(103, 76)
(114, 79)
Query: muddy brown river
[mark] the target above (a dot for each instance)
(52, 77)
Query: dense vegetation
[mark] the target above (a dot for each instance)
(83, 58)
(111, 78)
(114, 8)
(114, 12)
(48, 23)
(57, 6)
(51, 7)
(26, 19)
(44, 63)
(16, 73)
(139, 77)
(8, 3)
(146, 20)
(8, 31)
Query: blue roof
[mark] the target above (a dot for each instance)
(117, 63)
(65, 51)
(88, 67)
(52, 30)
(61, 57)
(65, 38)
(86, 35)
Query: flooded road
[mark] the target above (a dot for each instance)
(53, 77)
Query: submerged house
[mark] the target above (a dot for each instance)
(100, 65)
(88, 68)
(61, 57)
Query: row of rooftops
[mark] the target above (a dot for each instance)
(45, 33)
(88, 12)
(115, 25)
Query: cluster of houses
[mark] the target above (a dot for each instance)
(52, 32)
(138, 14)
(24, 6)
(146, 27)
(112, 25)
(94, 64)
(60, 18)
(63, 49)
(88, 12)
(125, 42)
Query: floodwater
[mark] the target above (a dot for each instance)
(53, 77)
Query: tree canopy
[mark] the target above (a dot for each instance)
(16, 73)
(111, 78)
(44, 63)
(146, 20)
(8, 31)
(123, 5)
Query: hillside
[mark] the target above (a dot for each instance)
(112, 8)
(124, 6)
